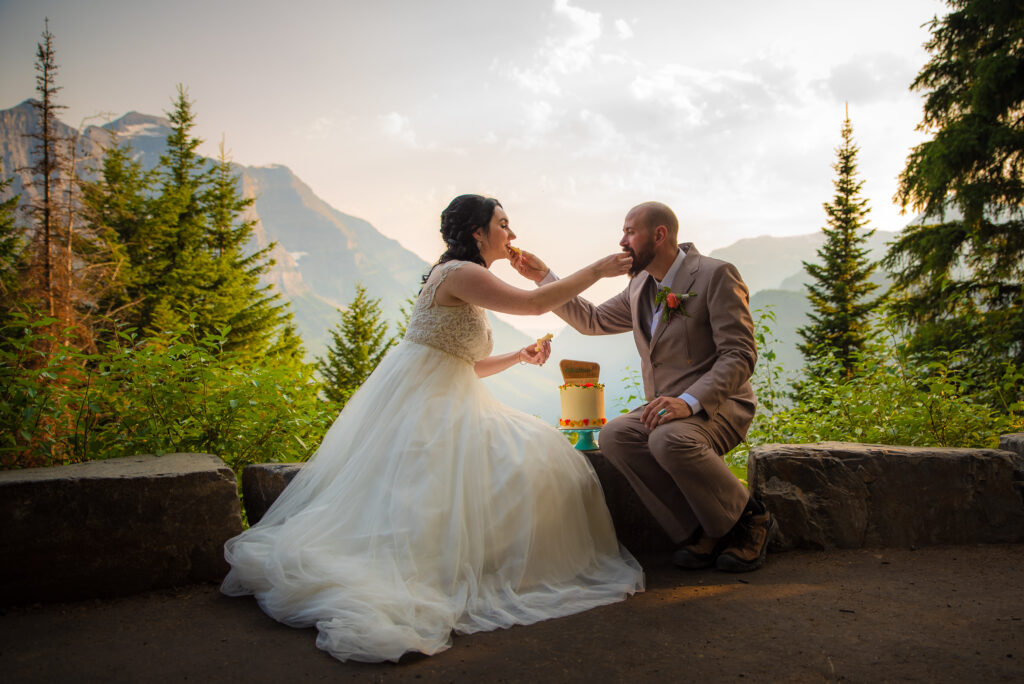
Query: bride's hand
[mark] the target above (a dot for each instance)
(529, 353)
(613, 265)
(528, 265)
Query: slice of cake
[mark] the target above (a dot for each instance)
(582, 395)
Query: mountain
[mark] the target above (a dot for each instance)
(321, 253)
(768, 262)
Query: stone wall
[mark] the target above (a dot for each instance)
(634, 525)
(114, 527)
(843, 495)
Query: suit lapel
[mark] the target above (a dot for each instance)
(682, 282)
(641, 302)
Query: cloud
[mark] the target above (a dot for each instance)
(623, 29)
(869, 78)
(703, 98)
(319, 128)
(397, 126)
(563, 53)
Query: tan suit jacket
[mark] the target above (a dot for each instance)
(710, 352)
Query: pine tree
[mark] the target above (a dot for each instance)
(11, 252)
(959, 274)
(180, 263)
(193, 266)
(48, 152)
(259, 320)
(117, 207)
(839, 296)
(358, 343)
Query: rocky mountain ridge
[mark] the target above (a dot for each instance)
(322, 253)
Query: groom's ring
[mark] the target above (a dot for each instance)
(662, 412)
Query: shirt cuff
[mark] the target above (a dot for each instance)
(693, 401)
(549, 278)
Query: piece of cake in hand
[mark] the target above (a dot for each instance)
(582, 395)
(542, 340)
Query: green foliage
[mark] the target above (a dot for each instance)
(839, 296)
(891, 397)
(181, 235)
(12, 246)
(959, 276)
(358, 343)
(187, 394)
(634, 388)
(116, 208)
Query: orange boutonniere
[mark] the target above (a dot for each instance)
(673, 302)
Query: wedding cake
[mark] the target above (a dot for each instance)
(582, 395)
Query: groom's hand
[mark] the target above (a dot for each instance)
(530, 266)
(664, 409)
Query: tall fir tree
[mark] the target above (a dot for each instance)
(12, 254)
(358, 343)
(180, 264)
(117, 209)
(192, 267)
(959, 273)
(259, 319)
(48, 151)
(840, 297)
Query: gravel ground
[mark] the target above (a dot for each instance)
(937, 614)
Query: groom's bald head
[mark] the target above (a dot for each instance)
(654, 214)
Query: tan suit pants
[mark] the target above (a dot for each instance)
(678, 471)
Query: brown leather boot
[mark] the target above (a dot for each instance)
(697, 554)
(748, 542)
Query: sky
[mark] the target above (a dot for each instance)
(568, 111)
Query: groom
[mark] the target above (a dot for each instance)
(691, 321)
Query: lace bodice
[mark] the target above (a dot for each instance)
(462, 331)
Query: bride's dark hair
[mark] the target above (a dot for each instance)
(459, 220)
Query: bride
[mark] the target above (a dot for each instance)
(430, 506)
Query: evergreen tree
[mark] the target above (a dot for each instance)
(11, 251)
(839, 296)
(259, 320)
(117, 208)
(195, 270)
(959, 274)
(180, 264)
(358, 343)
(48, 152)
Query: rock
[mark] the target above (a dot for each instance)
(634, 525)
(1013, 442)
(262, 484)
(844, 495)
(115, 527)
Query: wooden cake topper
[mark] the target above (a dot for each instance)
(579, 372)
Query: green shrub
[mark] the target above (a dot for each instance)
(889, 398)
(148, 396)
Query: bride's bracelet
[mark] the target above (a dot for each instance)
(520, 357)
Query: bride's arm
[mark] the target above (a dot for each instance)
(500, 362)
(474, 284)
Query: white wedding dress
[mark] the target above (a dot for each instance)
(432, 507)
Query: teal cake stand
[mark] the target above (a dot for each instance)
(586, 438)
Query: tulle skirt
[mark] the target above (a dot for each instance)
(430, 507)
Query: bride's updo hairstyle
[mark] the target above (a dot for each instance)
(459, 220)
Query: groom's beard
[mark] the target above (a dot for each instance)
(641, 259)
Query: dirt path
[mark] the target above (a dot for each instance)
(951, 614)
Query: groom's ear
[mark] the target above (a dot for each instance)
(660, 234)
